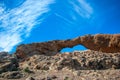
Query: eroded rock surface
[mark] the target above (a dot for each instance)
(43, 61)
(86, 60)
(100, 42)
(79, 65)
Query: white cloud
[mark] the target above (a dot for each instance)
(20, 21)
(82, 8)
(64, 18)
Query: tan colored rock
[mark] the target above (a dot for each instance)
(99, 42)
(7, 62)
(30, 78)
(92, 60)
(11, 75)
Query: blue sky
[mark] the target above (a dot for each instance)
(27, 21)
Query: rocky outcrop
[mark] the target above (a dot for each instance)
(99, 42)
(44, 60)
(86, 60)
(79, 63)
(11, 75)
(7, 62)
(102, 66)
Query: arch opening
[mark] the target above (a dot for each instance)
(75, 48)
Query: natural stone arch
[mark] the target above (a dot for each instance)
(100, 42)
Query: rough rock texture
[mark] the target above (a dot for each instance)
(100, 42)
(44, 61)
(79, 65)
(7, 62)
(81, 60)
(11, 75)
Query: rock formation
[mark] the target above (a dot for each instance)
(44, 61)
(7, 62)
(80, 60)
(99, 42)
(75, 62)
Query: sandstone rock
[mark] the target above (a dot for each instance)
(49, 78)
(45, 57)
(4, 56)
(99, 42)
(69, 63)
(30, 78)
(86, 60)
(5, 67)
(53, 77)
(11, 75)
(42, 66)
(7, 62)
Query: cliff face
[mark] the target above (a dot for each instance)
(99, 42)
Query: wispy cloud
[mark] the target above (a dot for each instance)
(20, 21)
(82, 8)
(64, 18)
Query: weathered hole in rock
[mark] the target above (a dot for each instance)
(75, 48)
